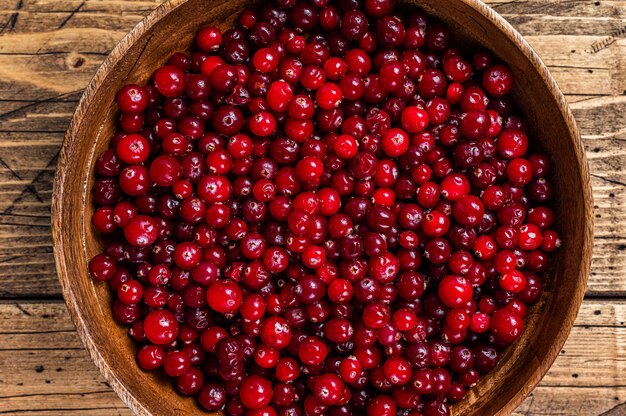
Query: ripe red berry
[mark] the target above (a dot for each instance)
(455, 291)
(512, 144)
(224, 296)
(141, 230)
(132, 99)
(255, 392)
(395, 142)
(414, 119)
(169, 81)
(498, 80)
(278, 95)
(265, 60)
(209, 38)
(328, 96)
(161, 327)
(102, 267)
(262, 124)
(312, 351)
(506, 325)
(309, 168)
(345, 146)
(513, 281)
(276, 332)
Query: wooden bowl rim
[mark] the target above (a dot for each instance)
(65, 271)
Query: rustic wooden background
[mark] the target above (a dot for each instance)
(50, 49)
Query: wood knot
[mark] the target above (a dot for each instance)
(78, 62)
(75, 61)
(604, 43)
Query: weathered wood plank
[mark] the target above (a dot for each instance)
(66, 6)
(575, 8)
(44, 359)
(575, 17)
(568, 401)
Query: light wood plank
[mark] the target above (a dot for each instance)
(568, 401)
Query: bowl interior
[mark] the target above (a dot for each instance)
(171, 28)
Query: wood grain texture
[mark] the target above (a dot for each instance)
(44, 362)
(65, 41)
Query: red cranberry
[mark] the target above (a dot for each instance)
(209, 38)
(255, 392)
(312, 351)
(224, 296)
(160, 327)
(169, 81)
(455, 291)
(506, 325)
(150, 357)
(497, 80)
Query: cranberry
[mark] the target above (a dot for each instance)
(255, 392)
(455, 291)
(141, 230)
(328, 96)
(276, 332)
(432, 84)
(160, 327)
(395, 142)
(228, 120)
(208, 38)
(497, 80)
(312, 351)
(130, 292)
(392, 75)
(165, 170)
(390, 31)
(169, 81)
(132, 99)
(102, 267)
(414, 119)
(381, 405)
(287, 369)
(475, 124)
(224, 296)
(506, 325)
(468, 211)
(512, 144)
(328, 388)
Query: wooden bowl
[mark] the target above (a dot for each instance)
(171, 28)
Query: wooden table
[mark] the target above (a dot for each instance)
(50, 49)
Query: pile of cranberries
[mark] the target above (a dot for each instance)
(325, 210)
